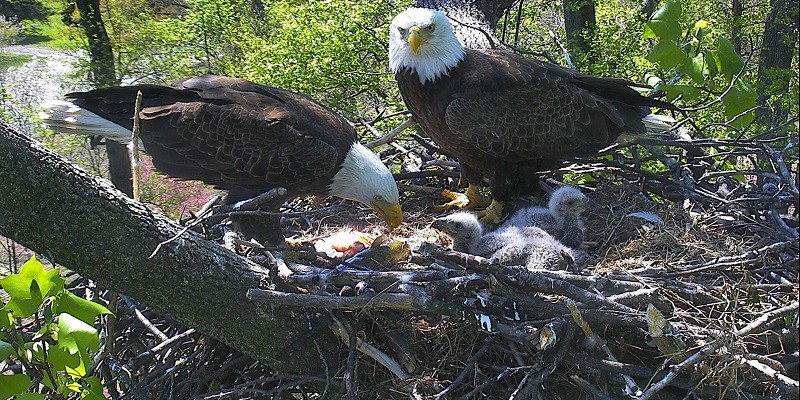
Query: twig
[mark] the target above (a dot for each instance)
(136, 164)
(371, 352)
(751, 328)
(631, 387)
(146, 322)
(487, 344)
(391, 135)
(727, 261)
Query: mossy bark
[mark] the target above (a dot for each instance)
(83, 223)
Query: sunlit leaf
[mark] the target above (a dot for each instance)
(84, 335)
(79, 307)
(686, 92)
(666, 54)
(66, 356)
(730, 63)
(670, 11)
(662, 30)
(29, 287)
(695, 68)
(740, 98)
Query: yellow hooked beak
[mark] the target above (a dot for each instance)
(415, 38)
(391, 213)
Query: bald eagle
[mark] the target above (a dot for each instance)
(239, 136)
(504, 116)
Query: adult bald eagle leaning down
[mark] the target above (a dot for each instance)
(505, 117)
(241, 137)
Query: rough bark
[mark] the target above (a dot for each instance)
(473, 21)
(779, 41)
(736, 25)
(81, 222)
(579, 23)
(103, 74)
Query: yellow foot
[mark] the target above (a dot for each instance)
(492, 214)
(457, 200)
(472, 200)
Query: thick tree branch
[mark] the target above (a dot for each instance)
(82, 222)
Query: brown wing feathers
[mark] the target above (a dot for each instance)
(521, 108)
(232, 133)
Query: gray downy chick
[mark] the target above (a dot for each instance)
(561, 219)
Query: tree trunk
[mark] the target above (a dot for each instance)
(579, 23)
(473, 21)
(103, 74)
(736, 25)
(81, 222)
(780, 38)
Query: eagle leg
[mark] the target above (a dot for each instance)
(471, 200)
(492, 214)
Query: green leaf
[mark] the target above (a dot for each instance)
(30, 396)
(666, 54)
(6, 349)
(740, 98)
(6, 319)
(37, 350)
(29, 287)
(699, 29)
(695, 68)
(79, 307)
(662, 30)
(85, 335)
(670, 11)
(686, 92)
(11, 385)
(66, 357)
(94, 390)
(730, 63)
(664, 25)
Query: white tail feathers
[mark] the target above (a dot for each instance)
(658, 123)
(64, 117)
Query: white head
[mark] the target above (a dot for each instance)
(422, 40)
(364, 178)
(568, 201)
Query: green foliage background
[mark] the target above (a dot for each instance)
(332, 50)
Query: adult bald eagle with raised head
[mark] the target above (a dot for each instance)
(504, 116)
(239, 136)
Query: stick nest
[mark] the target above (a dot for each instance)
(693, 292)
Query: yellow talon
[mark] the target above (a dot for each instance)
(473, 199)
(492, 214)
(476, 199)
(457, 200)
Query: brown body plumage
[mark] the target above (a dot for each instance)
(239, 136)
(231, 133)
(506, 117)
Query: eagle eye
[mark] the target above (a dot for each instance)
(377, 197)
(430, 28)
(401, 30)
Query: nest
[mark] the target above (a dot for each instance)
(693, 292)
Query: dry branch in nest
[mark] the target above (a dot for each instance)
(693, 293)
